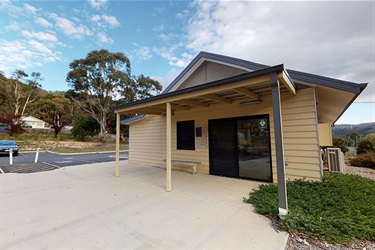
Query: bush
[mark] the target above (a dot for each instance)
(338, 210)
(14, 122)
(84, 126)
(366, 144)
(341, 143)
(366, 160)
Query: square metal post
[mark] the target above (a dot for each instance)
(117, 174)
(279, 144)
(169, 148)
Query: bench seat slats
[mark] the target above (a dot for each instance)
(192, 164)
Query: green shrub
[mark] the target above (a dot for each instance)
(338, 209)
(366, 144)
(366, 160)
(341, 143)
(84, 126)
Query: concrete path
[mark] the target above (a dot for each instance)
(86, 207)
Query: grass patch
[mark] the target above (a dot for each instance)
(37, 137)
(101, 148)
(337, 210)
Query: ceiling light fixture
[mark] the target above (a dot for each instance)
(250, 102)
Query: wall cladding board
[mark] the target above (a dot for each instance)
(299, 125)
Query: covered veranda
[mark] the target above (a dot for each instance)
(241, 89)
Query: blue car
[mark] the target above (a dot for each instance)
(6, 145)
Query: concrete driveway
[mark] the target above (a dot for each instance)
(86, 207)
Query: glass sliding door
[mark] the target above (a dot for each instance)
(253, 142)
(240, 147)
(223, 149)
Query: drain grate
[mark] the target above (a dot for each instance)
(27, 168)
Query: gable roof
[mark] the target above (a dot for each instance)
(205, 56)
(297, 76)
(31, 119)
(330, 88)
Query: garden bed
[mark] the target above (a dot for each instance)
(328, 215)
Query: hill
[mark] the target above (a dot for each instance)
(362, 129)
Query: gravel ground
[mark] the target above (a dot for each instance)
(364, 172)
(300, 242)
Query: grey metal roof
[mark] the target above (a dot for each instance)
(298, 76)
(327, 81)
(225, 59)
(131, 119)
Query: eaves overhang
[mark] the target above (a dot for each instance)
(236, 82)
(303, 77)
(129, 120)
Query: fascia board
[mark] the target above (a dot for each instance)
(302, 77)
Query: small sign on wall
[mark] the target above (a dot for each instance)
(201, 137)
(262, 123)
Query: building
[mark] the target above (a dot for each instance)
(239, 119)
(34, 123)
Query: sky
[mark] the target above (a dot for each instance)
(329, 38)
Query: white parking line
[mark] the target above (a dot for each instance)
(63, 161)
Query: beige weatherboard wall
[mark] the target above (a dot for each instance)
(214, 86)
(147, 136)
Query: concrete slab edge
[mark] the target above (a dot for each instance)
(52, 165)
(85, 153)
(286, 241)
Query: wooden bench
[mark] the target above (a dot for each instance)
(192, 164)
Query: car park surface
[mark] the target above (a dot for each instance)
(86, 207)
(62, 160)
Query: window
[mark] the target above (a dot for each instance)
(185, 135)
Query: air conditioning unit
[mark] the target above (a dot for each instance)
(336, 162)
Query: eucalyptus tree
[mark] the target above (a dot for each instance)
(4, 107)
(19, 91)
(102, 77)
(54, 109)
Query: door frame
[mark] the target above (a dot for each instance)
(235, 119)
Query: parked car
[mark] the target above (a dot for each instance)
(4, 128)
(6, 145)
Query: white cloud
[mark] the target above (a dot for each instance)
(29, 8)
(111, 20)
(168, 37)
(183, 14)
(43, 22)
(158, 28)
(69, 28)
(13, 27)
(98, 4)
(144, 53)
(164, 52)
(43, 36)
(24, 54)
(335, 39)
(103, 38)
(37, 46)
(11, 9)
(105, 21)
(95, 18)
(181, 61)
